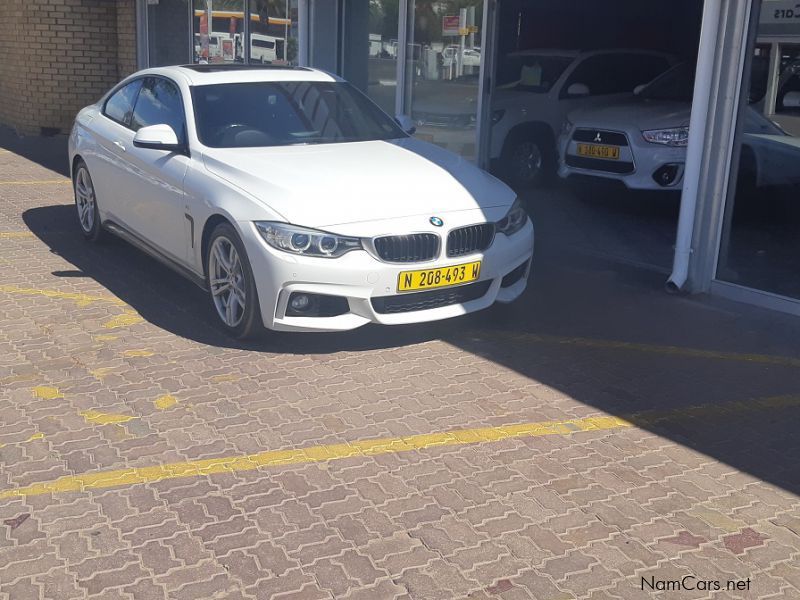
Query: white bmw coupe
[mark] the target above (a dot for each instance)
(294, 200)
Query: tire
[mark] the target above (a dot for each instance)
(228, 267)
(529, 159)
(86, 204)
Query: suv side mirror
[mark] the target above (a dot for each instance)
(406, 124)
(158, 137)
(578, 89)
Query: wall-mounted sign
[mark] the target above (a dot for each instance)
(779, 18)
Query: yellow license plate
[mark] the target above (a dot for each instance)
(427, 279)
(595, 151)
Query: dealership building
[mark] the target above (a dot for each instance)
(445, 63)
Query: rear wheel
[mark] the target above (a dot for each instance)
(86, 203)
(231, 284)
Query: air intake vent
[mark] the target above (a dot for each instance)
(468, 240)
(416, 247)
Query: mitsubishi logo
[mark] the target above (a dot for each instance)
(597, 138)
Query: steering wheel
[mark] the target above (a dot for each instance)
(226, 132)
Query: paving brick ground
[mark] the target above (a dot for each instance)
(109, 362)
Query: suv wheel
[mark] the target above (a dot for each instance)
(528, 160)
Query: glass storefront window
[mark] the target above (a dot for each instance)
(273, 32)
(218, 27)
(168, 32)
(760, 245)
(443, 59)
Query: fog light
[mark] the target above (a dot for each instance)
(668, 174)
(300, 302)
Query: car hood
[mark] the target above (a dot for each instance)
(640, 114)
(320, 185)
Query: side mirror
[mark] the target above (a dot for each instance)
(639, 89)
(406, 124)
(158, 137)
(791, 100)
(578, 89)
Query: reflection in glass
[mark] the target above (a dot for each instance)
(273, 32)
(761, 235)
(218, 31)
(443, 59)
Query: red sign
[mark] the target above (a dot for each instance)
(450, 24)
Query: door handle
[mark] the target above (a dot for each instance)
(120, 145)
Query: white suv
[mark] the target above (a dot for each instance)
(538, 88)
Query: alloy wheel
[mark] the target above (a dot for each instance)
(527, 161)
(227, 281)
(85, 199)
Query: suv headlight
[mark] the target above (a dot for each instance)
(514, 220)
(676, 136)
(566, 127)
(308, 242)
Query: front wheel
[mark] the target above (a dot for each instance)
(528, 160)
(231, 284)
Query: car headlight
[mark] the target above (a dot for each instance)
(308, 242)
(514, 220)
(497, 115)
(676, 136)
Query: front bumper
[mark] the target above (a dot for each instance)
(361, 278)
(646, 162)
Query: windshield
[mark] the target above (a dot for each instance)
(283, 113)
(532, 73)
(676, 84)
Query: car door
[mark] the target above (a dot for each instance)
(112, 134)
(155, 208)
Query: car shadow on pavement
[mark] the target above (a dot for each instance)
(174, 304)
(562, 336)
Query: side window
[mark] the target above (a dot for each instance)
(159, 102)
(616, 73)
(119, 106)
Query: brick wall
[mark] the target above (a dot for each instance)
(60, 55)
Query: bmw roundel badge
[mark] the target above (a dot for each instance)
(436, 222)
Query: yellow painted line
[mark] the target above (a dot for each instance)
(105, 337)
(137, 353)
(14, 235)
(124, 320)
(46, 392)
(35, 436)
(100, 418)
(786, 361)
(79, 299)
(224, 378)
(374, 447)
(165, 402)
(101, 372)
(38, 182)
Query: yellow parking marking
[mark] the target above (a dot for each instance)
(101, 372)
(165, 402)
(34, 437)
(15, 235)
(375, 447)
(137, 353)
(124, 320)
(105, 337)
(785, 361)
(79, 299)
(224, 378)
(37, 182)
(100, 418)
(46, 392)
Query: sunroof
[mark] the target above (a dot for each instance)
(215, 68)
